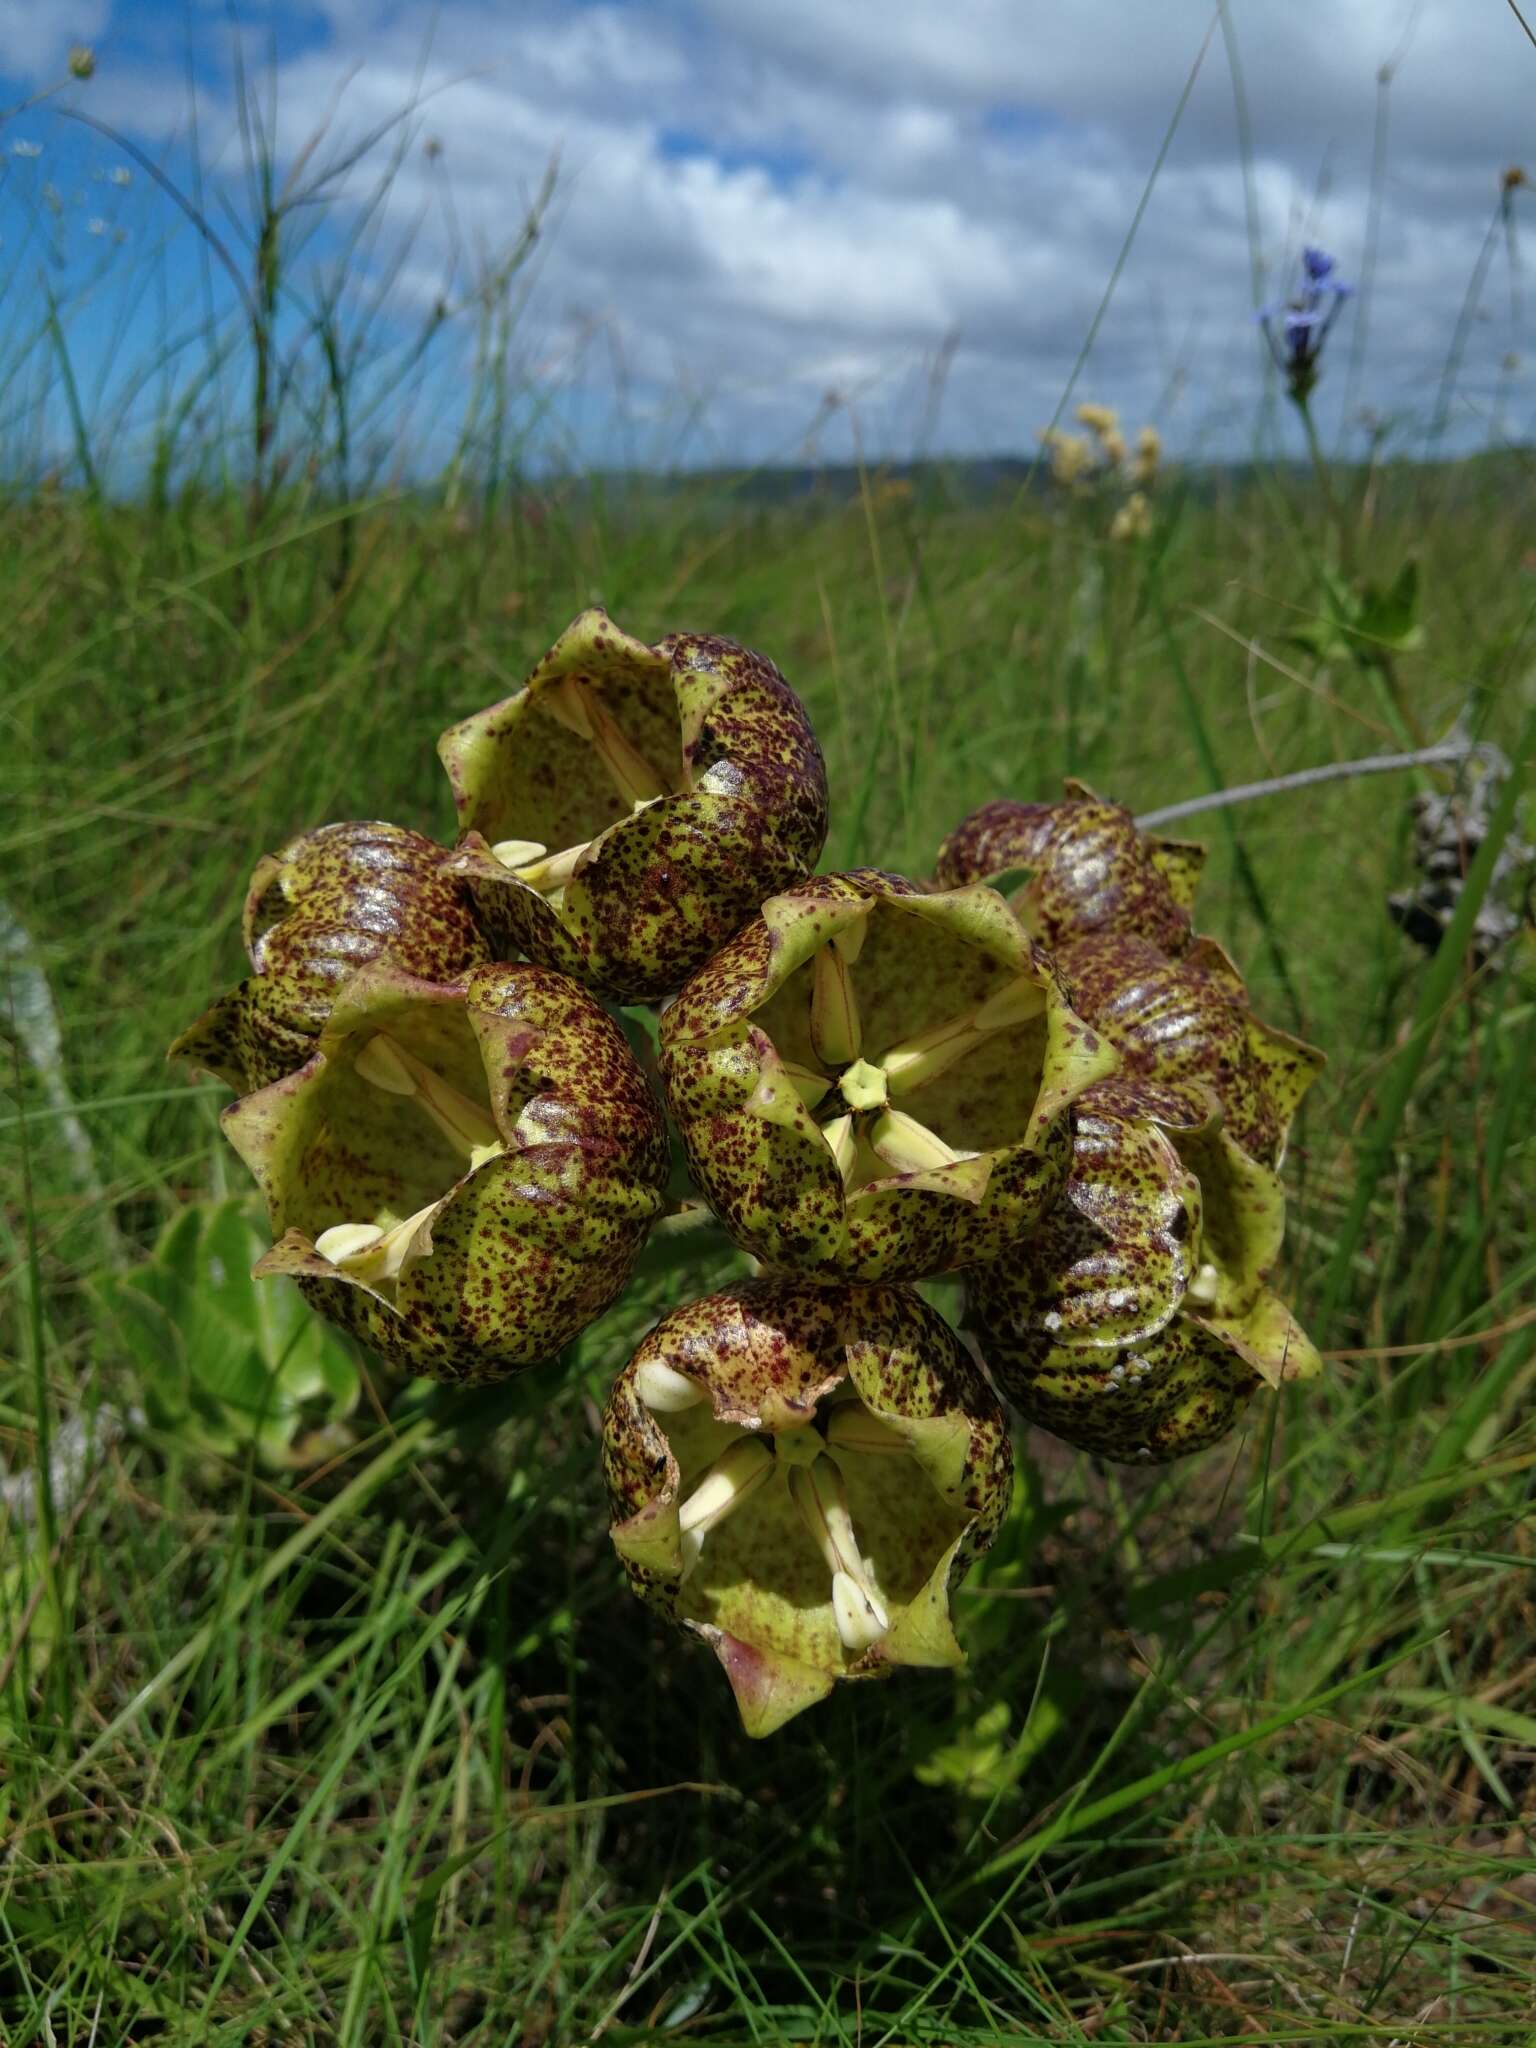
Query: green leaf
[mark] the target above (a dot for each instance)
(1364, 623)
(223, 1359)
(1390, 617)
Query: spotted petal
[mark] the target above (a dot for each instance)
(326, 904)
(1187, 1022)
(1089, 868)
(631, 806)
(462, 1175)
(872, 1081)
(851, 1461)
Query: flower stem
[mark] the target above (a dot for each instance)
(1321, 471)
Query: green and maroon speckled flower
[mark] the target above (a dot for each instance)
(1187, 1022)
(799, 1476)
(1090, 870)
(324, 905)
(462, 1175)
(1137, 1320)
(870, 1080)
(632, 806)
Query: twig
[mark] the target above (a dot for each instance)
(1445, 754)
(1462, 1343)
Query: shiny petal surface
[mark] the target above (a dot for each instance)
(1187, 1022)
(1111, 1261)
(1137, 1319)
(325, 905)
(1180, 1391)
(1089, 868)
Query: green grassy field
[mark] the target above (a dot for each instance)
(378, 1748)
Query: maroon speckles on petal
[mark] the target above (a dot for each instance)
(1090, 869)
(774, 1364)
(740, 1031)
(1186, 1023)
(742, 811)
(327, 904)
(529, 1242)
(1136, 1320)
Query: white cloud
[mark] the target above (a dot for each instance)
(36, 35)
(765, 197)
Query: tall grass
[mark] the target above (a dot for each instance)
(380, 1750)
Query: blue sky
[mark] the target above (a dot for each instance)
(775, 220)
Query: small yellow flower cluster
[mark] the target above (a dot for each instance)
(1149, 452)
(1133, 520)
(1102, 458)
(1071, 457)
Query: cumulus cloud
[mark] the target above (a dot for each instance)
(35, 38)
(762, 199)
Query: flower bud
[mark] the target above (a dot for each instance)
(1090, 870)
(324, 905)
(1137, 1320)
(462, 1175)
(1187, 1022)
(806, 1513)
(870, 1081)
(631, 806)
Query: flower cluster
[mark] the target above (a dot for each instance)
(1101, 460)
(873, 1081)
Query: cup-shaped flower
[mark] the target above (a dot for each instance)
(1089, 868)
(632, 806)
(462, 1175)
(1137, 1320)
(871, 1080)
(317, 910)
(799, 1475)
(1187, 1022)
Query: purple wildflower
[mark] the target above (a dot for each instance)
(1297, 330)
